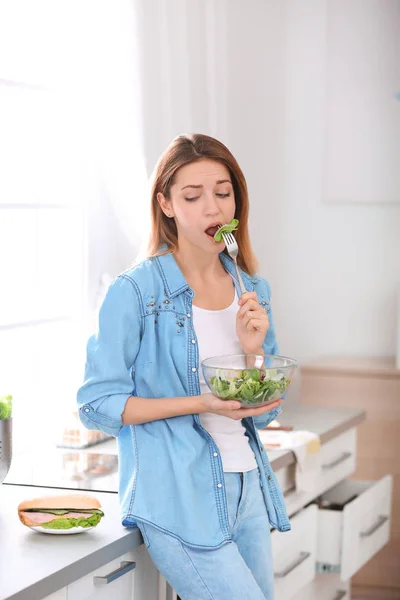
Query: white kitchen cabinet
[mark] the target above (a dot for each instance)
(370, 383)
(294, 554)
(132, 576)
(113, 580)
(349, 537)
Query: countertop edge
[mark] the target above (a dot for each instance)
(67, 575)
(288, 458)
(343, 427)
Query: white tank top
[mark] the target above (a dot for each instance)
(216, 336)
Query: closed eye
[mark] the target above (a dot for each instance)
(193, 198)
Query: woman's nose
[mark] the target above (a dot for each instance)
(212, 207)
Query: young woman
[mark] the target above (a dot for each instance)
(194, 476)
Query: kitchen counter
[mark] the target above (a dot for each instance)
(96, 468)
(34, 565)
(326, 421)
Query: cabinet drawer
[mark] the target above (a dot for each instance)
(294, 554)
(120, 575)
(354, 525)
(325, 587)
(338, 459)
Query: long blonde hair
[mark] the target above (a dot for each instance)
(183, 150)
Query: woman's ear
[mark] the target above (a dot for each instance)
(165, 204)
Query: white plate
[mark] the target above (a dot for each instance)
(61, 531)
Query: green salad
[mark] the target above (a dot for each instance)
(61, 523)
(5, 407)
(228, 228)
(251, 386)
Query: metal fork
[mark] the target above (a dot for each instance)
(233, 250)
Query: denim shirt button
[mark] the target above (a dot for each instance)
(87, 409)
(219, 485)
(188, 315)
(215, 454)
(193, 341)
(194, 369)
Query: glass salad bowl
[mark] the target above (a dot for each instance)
(251, 379)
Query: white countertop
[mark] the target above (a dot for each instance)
(34, 565)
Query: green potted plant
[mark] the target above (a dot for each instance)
(5, 435)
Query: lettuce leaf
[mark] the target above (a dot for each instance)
(69, 523)
(5, 407)
(228, 228)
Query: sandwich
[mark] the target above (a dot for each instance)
(60, 512)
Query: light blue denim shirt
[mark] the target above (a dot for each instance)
(170, 470)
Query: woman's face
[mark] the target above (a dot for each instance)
(201, 200)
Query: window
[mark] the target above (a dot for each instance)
(42, 258)
(70, 156)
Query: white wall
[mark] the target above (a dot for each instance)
(333, 268)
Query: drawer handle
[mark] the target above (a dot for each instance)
(341, 594)
(303, 556)
(381, 521)
(337, 461)
(125, 567)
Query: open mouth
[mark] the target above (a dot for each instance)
(211, 231)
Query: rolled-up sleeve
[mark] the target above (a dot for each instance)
(110, 356)
(270, 347)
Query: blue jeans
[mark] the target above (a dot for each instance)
(239, 570)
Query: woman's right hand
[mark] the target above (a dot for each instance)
(232, 408)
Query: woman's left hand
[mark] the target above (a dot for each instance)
(251, 324)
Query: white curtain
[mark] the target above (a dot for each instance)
(184, 66)
(168, 68)
(163, 72)
(109, 65)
